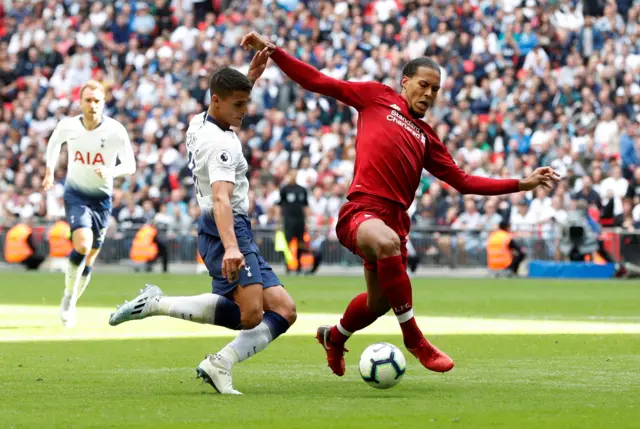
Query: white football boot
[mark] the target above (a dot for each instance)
(68, 311)
(136, 309)
(214, 372)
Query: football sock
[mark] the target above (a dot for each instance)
(356, 317)
(84, 280)
(207, 308)
(396, 287)
(252, 341)
(72, 279)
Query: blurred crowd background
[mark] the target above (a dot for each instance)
(524, 84)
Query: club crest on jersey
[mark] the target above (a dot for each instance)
(224, 157)
(88, 158)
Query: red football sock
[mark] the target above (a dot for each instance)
(357, 316)
(396, 287)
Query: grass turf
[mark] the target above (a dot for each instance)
(506, 381)
(499, 382)
(496, 298)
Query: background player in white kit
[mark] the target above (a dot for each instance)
(94, 143)
(247, 294)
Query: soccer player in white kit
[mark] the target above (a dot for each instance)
(246, 294)
(94, 143)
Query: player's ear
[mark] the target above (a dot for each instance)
(404, 81)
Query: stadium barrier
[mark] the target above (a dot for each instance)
(437, 246)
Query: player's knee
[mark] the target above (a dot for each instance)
(378, 305)
(251, 318)
(387, 246)
(82, 247)
(289, 313)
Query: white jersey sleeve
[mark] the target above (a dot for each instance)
(125, 154)
(222, 162)
(58, 137)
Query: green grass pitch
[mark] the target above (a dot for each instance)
(510, 381)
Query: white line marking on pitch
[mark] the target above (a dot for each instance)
(41, 323)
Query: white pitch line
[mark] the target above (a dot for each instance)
(41, 323)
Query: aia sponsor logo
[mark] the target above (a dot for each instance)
(88, 158)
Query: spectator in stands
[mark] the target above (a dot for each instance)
(524, 83)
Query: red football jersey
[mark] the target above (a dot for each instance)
(392, 147)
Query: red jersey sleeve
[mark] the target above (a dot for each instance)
(439, 162)
(355, 94)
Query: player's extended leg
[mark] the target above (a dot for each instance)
(210, 308)
(361, 312)
(81, 239)
(207, 308)
(380, 243)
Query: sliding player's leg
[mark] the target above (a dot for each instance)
(381, 243)
(209, 308)
(361, 312)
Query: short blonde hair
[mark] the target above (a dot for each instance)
(91, 84)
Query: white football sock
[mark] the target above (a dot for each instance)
(343, 331)
(72, 279)
(84, 282)
(246, 344)
(198, 308)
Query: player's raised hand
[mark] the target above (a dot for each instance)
(47, 182)
(256, 42)
(543, 176)
(102, 172)
(258, 64)
(232, 263)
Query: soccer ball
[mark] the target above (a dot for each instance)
(382, 365)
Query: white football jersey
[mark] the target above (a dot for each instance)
(215, 155)
(87, 150)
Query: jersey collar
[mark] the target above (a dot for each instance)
(100, 123)
(214, 122)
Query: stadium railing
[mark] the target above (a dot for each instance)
(437, 246)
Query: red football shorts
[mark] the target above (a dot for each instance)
(362, 208)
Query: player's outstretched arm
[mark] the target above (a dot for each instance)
(58, 137)
(439, 162)
(355, 94)
(233, 260)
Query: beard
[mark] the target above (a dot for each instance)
(416, 115)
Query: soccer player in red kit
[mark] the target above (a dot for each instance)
(393, 145)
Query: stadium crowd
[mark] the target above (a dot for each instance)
(524, 84)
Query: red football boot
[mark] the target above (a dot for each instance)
(335, 352)
(430, 357)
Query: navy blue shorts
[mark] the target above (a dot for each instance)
(83, 212)
(256, 270)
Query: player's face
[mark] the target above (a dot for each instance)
(421, 90)
(231, 109)
(92, 103)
